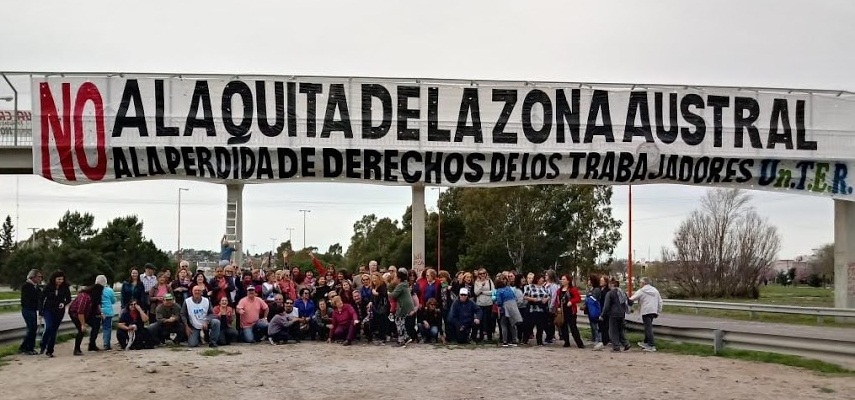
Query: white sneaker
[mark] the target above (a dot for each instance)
(270, 339)
(598, 346)
(649, 348)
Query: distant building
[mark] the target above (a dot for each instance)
(799, 263)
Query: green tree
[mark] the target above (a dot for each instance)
(822, 262)
(373, 239)
(123, 246)
(7, 244)
(537, 227)
(75, 228)
(22, 261)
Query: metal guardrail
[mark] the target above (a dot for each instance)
(837, 351)
(752, 308)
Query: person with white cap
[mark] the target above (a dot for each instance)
(463, 316)
(108, 299)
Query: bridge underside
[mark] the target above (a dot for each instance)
(16, 160)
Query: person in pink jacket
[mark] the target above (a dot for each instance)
(344, 322)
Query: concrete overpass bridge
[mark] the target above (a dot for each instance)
(836, 116)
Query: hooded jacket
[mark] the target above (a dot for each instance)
(649, 299)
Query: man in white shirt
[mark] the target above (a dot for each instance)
(650, 303)
(197, 316)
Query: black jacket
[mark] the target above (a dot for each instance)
(52, 298)
(30, 295)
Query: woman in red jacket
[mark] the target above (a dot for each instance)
(568, 297)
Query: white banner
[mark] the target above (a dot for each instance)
(451, 133)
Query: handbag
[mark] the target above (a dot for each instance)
(559, 316)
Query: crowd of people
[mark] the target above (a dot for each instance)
(380, 306)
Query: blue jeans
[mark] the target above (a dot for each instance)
(107, 327)
(213, 336)
(254, 332)
(52, 321)
(429, 334)
(595, 331)
(31, 318)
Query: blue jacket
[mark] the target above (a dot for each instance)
(502, 295)
(306, 309)
(108, 298)
(464, 314)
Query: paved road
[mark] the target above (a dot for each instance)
(13, 320)
(732, 325)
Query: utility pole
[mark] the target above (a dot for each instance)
(178, 251)
(304, 226)
(629, 253)
(290, 232)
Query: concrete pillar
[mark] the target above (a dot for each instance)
(844, 254)
(234, 219)
(418, 223)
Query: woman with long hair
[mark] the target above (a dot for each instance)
(380, 309)
(55, 298)
(133, 288)
(200, 280)
(347, 293)
(567, 298)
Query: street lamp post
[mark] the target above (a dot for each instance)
(178, 252)
(438, 230)
(304, 226)
(15, 99)
(629, 252)
(290, 232)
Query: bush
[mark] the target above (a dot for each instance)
(814, 280)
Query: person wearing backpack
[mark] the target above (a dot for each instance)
(650, 303)
(616, 307)
(594, 310)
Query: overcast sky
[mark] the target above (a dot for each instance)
(774, 43)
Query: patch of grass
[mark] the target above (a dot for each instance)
(10, 309)
(803, 296)
(667, 346)
(10, 295)
(218, 352)
(809, 320)
(11, 350)
(693, 349)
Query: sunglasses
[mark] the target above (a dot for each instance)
(288, 303)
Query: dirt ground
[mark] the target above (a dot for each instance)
(326, 371)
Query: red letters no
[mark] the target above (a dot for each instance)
(61, 126)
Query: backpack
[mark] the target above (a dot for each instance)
(593, 307)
